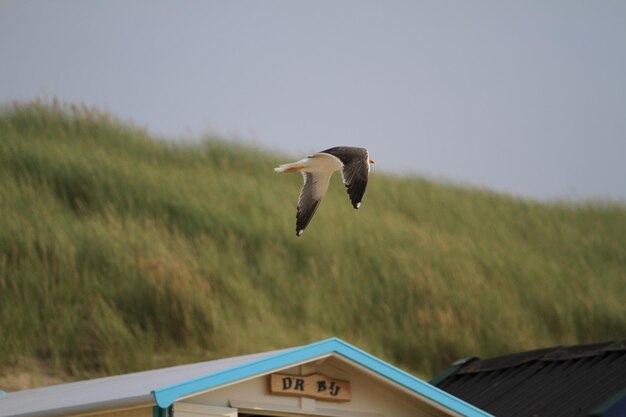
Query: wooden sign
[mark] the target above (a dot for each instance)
(318, 386)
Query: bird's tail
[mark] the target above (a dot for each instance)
(292, 167)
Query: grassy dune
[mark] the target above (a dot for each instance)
(121, 252)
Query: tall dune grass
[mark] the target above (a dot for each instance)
(119, 252)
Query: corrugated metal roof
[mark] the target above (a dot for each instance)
(561, 381)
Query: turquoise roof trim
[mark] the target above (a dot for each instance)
(164, 397)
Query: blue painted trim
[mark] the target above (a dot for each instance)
(615, 406)
(165, 396)
(617, 409)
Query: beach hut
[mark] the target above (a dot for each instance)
(328, 378)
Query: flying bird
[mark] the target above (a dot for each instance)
(317, 169)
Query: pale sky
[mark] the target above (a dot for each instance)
(522, 97)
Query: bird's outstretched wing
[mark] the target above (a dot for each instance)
(355, 176)
(314, 188)
(355, 170)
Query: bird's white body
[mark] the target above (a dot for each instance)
(321, 166)
(317, 163)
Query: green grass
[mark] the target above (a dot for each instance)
(120, 251)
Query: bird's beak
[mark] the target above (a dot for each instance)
(372, 161)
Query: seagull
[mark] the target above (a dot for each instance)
(317, 169)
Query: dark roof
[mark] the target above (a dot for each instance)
(583, 380)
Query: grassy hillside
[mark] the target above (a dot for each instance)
(121, 252)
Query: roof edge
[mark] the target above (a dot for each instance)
(549, 354)
(166, 396)
(451, 370)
